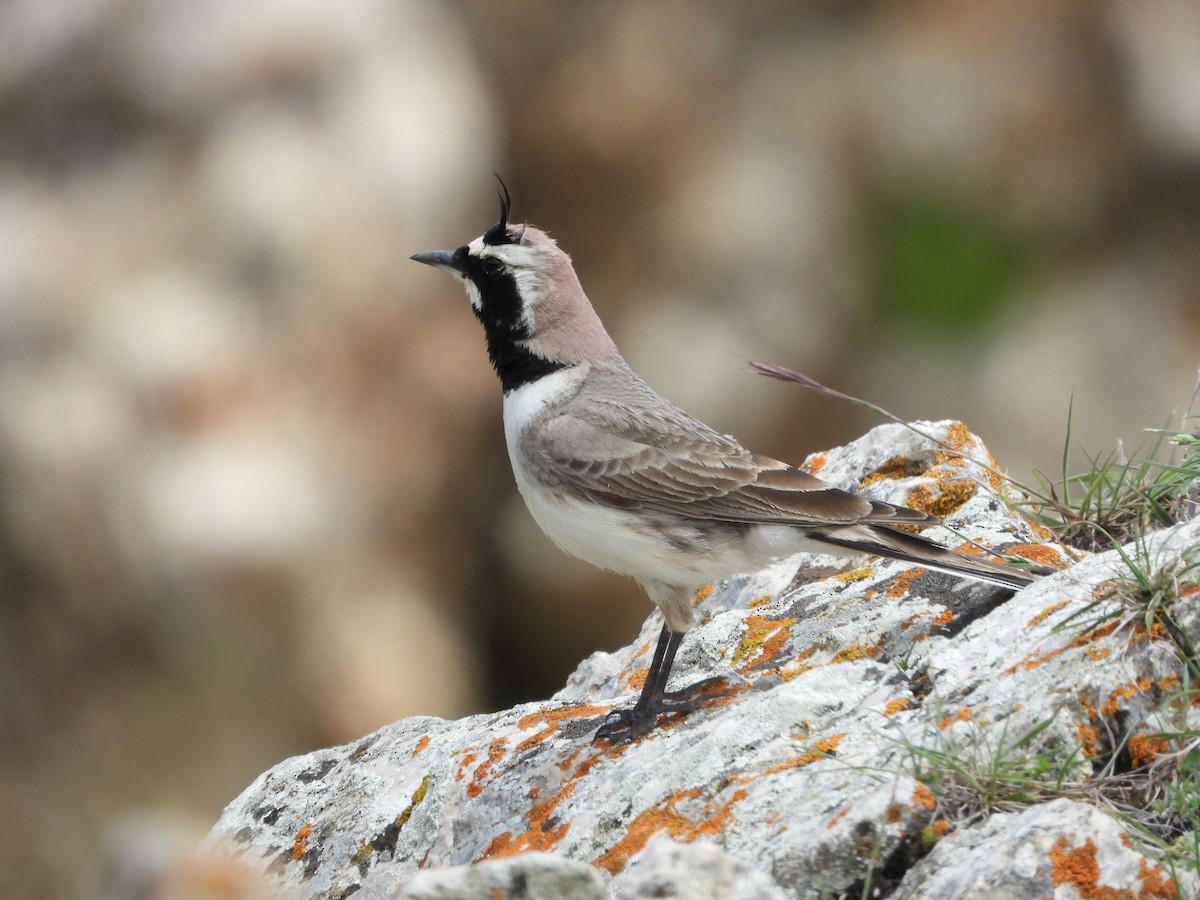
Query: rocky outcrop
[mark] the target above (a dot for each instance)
(881, 725)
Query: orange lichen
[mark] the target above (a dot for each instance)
(1097, 653)
(958, 436)
(797, 666)
(970, 548)
(1046, 613)
(959, 439)
(894, 706)
(896, 467)
(1040, 530)
(703, 594)
(1143, 632)
(664, 817)
(923, 797)
(820, 750)
(942, 619)
(421, 745)
(942, 498)
(854, 575)
(540, 836)
(900, 584)
(1038, 553)
(1125, 692)
(799, 762)
(853, 652)
(714, 822)
(300, 844)
(500, 846)
(468, 758)
(1168, 682)
(1089, 739)
(569, 760)
(961, 716)
(1077, 867)
(1082, 640)
(940, 827)
(814, 464)
(1144, 749)
(829, 744)
(550, 719)
(789, 672)
(764, 637)
(647, 824)
(760, 601)
(637, 678)
(496, 751)
(1156, 885)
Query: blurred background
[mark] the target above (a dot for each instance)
(254, 497)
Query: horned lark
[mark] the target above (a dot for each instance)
(622, 478)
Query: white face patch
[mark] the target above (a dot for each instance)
(472, 292)
(515, 256)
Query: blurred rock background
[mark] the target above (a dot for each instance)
(254, 497)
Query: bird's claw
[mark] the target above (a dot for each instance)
(624, 725)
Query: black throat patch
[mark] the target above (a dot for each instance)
(504, 329)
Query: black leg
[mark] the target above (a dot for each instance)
(656, 677)
(660, 667)
(629, 724)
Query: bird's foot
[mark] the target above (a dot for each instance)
(625, 725)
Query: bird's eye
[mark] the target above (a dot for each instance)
(492, 266)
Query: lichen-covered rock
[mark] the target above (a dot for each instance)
(805, 773)
(1059, 849)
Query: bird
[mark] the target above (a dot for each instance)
(622, 478)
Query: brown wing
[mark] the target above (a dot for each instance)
(669, 462)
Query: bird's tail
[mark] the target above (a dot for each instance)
(887, 542)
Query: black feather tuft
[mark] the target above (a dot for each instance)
(498, 233)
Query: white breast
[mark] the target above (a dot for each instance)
(596, 534)
(614, 539)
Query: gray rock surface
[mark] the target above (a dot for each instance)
(699, 871)
(847, 683)
(536, 876)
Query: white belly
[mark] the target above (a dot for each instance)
(596, 534)
(689, 554)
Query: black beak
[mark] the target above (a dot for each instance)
(440, 259)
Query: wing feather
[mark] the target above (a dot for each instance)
(671, 463)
